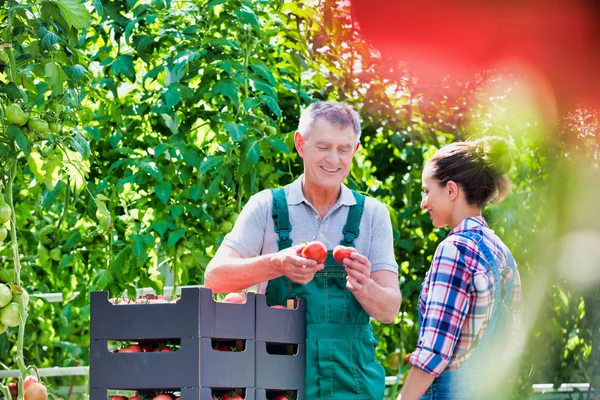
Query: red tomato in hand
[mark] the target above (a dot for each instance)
(315, 251)
(340, 252)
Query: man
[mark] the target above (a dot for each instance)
(263, 249)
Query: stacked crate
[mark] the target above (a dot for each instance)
(195, 320)
(196, 370)
(280, 348)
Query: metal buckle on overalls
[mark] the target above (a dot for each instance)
(284, 236)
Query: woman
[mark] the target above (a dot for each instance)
(471, 293)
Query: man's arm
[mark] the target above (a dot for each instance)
(378, 292)
(228, 271)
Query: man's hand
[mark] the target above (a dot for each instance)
(298, 269)
(358, 268)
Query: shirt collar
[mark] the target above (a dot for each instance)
(469, 224)
(296, 196)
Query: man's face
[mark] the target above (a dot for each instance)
(327, 150)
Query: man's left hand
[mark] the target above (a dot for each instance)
(358, 268)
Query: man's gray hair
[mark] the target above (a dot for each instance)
(339, 114)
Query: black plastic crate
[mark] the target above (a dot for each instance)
(278, 371)
(152, 371)
(278, 325)
(185, 394)
(194, 364)
(195, 314)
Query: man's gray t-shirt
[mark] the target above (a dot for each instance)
(254, 233)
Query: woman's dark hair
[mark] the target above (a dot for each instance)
(478, 166)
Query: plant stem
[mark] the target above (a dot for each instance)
(17, 277)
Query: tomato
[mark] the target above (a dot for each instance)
(187, 260)
(223, 347)
(226, 227)
(315, 251)
(163, 396)
(38, 125)
(233, 217)
(234, 298)
(134, 348)
(47, 235)
(55, 127)
(28, 381)
(271, 130)
(3, 328)
(14, 388)
(281, 397)
(6, 275)
(341, 252)
(15, 297)
(278, 306)
(3, 233)
(118, 398)
(231, 396)
(36, 391)
(5, 212)
(56, 254)
(6, 295)
(15, 115)
(9, 315)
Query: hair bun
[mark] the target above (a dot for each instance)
(495, 153)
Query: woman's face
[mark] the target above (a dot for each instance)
(436, 199)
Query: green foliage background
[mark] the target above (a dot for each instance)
(175, 112)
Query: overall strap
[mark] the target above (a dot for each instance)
(281, 219)
(351, 229)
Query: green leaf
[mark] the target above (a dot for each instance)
(81, 145)
(262, 70)
(16, 134)
(102, 212)
(175, 236)
(74, 13)
(72, 241)
(247, 16)
(209, 162)
(103, 278)
(263, 87)
(160, 226)
(12, 91)
(98, 7)
(234, 131)
(172, 124)
(279, 144)
(55, 77)
(214, 3)
(271, 103)
(176, 210)
(48, 38)
(124, 65)
(76, 72)
(189, 156)
(151, 169)
(227, 88)
(173, 96)
(120, 264)
(65, 261)
(163, 191)
(36, 165)
(252, 154)
(250, 103)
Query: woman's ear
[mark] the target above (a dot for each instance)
(452, 189)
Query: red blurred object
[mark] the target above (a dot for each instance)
(558, 40)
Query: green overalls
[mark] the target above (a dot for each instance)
(340, 344)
